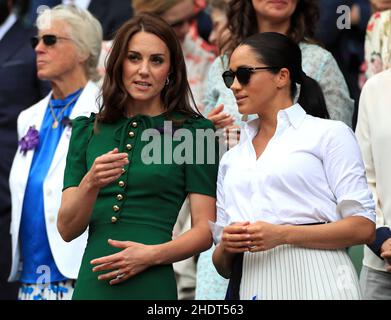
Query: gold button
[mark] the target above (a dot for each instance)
(114, 219)
(131, 134)
(129, 146)
(123, 170)
(134, 124)
(120, 197)
(121, 184)
(115, 208)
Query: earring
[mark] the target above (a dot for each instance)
(167, 81)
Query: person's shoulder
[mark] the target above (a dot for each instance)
(192, 45)
(84, 121)
(23, 29)
(196, 121)
(327, 128)
(34, 108)
(381, 78)
(313, 50)
(232, 155)
(379, 18)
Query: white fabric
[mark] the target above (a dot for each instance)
(7, 25)
(61, 290)
(311, 171)
(66, 255)
(374, 136)
(83, 4)
(293, 273)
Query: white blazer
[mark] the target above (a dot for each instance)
(66, 255)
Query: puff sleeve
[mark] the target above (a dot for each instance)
(76, 166)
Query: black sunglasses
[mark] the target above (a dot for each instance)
(243, 74)
(48, 40)
(180, 23)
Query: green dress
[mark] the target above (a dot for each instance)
(142, 205)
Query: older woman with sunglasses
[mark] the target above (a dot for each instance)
(67, 49)
(293, 194)
(296, 19)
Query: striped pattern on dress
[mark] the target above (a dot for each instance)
(293, 273)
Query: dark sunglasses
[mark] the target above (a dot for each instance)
(48, 40)
(181, 22)
(243, 74)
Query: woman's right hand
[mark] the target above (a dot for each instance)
(235, 238)
(219, 118)
(107, 168)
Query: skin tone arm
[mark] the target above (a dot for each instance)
(261, 236)
(385, 251)
(77, 202)
(136, 257)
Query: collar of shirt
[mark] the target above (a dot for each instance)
(7, 25)
(83, 4)
(63, 102)
(294, 115)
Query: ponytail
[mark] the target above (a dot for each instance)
(311, 97)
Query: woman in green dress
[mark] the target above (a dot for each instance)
(131, 166)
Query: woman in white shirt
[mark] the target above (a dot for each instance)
(293, 194)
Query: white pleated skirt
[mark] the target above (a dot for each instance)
(292, 273)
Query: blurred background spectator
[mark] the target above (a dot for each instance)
(19, 88)
(67, 47)
(346, 44)
(378, 41)
(219, 34)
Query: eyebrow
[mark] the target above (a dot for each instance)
(153, 54)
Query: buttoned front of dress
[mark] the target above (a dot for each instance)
(142, 205)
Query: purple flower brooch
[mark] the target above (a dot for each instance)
(29, 141)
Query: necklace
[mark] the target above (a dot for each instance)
(56, 119)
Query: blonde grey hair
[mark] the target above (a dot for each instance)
(84, 30)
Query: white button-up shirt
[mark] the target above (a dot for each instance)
(311, 171)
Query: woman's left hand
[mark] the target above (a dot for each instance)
(386, 253)
(264, 236)
(133, 259)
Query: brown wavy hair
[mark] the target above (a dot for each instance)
(242, 22)
(176, 96)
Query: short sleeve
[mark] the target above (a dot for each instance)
(76, 166)
(222, 219)
(345, 173)
(201, 172)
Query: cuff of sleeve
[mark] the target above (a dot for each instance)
(382, 234)
(358, 204)
(217, 231)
